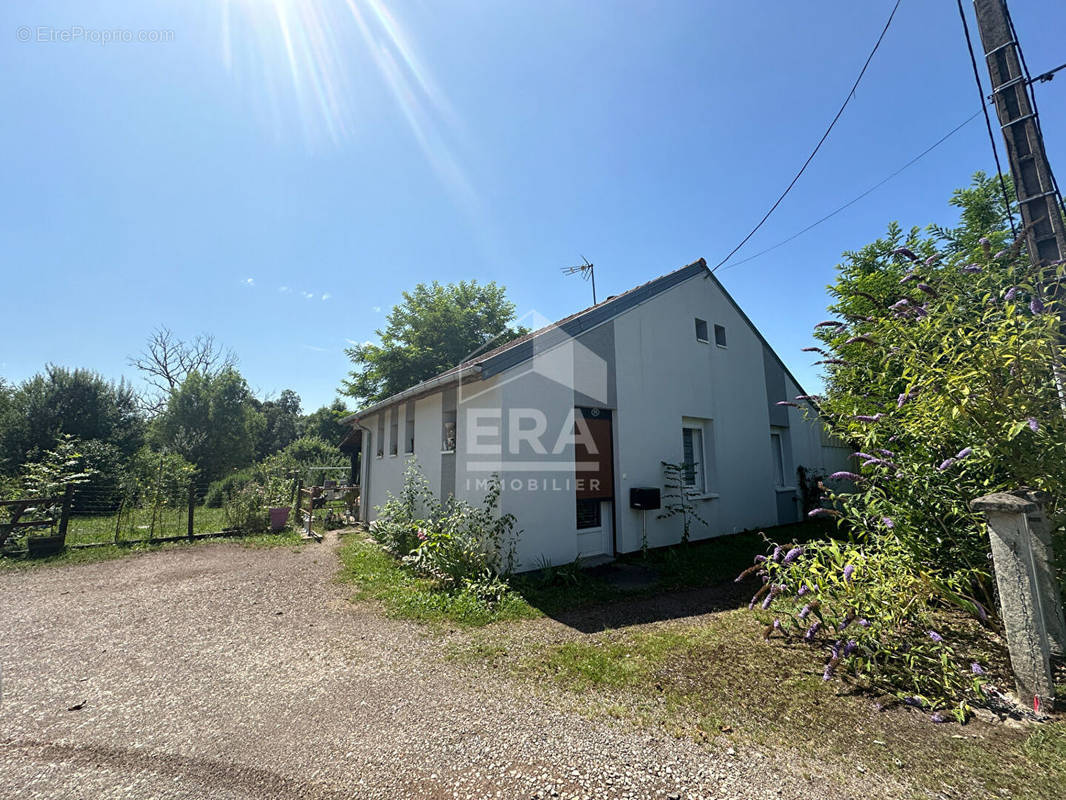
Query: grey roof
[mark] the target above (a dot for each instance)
(521, 349)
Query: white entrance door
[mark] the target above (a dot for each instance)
(594, 532)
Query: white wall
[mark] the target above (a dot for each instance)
(662, 376)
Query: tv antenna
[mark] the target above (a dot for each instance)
(587, 271)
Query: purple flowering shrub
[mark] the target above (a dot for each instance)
(938, 374)
(874, 617)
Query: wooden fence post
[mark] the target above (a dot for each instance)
(192, 509)
(1019, 586)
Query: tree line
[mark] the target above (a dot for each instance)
(197, 408)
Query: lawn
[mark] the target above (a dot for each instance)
(681, 654)
(719, 682)
(377, 576)
(139, 524)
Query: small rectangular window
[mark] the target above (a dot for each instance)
(701, 330)
(692, 454)
(381, 436)
(777, 454)
(394, 431)
(588, 513)
(719, 335)
(448, 432)
(409, 435)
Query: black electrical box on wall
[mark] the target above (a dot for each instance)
(645, 498)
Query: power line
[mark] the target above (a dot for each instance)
(821, 141)
(859, 197)
(988, 121)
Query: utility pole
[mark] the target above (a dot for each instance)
(1034, 183)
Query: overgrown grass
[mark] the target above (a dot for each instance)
(722, 681)
(90, 529)
(91, 555)
(376, 575)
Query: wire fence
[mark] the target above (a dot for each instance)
(171, 508)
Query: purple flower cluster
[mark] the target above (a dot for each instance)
(903, 251)
(868, 417)
(1034, 426)
(936, 637)
(844, 475)
(811, 631)
(830, 323)
(888, 522)
(849, 570)
(792, 555)
(861, 338)
(971, 268)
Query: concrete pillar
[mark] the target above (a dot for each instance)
(1019, 595)
(1044, 559)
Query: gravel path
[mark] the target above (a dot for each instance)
(221, 671)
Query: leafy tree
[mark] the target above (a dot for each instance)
(60, 401)
(938, 370)
(281, 420)
(325, 423)
(434, 329)
(212, 422)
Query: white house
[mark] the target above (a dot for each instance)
(577, 414)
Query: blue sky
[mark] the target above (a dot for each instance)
(281, 170)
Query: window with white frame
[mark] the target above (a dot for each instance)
(381, 436)
(394, 431)
(694, 457)
(777, 457)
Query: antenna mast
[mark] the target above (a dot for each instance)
(587, 271)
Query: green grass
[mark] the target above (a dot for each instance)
(92, 529)
(375, 575)
(721, 681)
(89, 555)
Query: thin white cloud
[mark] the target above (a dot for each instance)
(284, 289)
(249, 281)
(376, 309)
(326, 296)
(316, 348)
(308, 295)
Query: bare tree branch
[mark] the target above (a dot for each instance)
(167, 361)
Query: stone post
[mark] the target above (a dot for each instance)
(1019, 594)
(1044, 560)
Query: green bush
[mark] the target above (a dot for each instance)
(463, 547)
(246, 509)
(938, 371)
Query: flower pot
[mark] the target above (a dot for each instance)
(279, 518)
(39, 546)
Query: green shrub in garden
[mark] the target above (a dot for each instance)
(464, 547)
(938, 367)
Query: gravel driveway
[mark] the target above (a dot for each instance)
(220, 671)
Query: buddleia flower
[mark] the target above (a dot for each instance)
(850, 648)
(830, 323)
(929, 290)
(805, 611)
(811, 631)
(936, 637)
(861, 338)
(976, 668)
(903, 251)
(867, 417)
(938, 717)
(1036, 305)
(1034, 426)
(849, 570)
(1012, 292)
(947, 462)
(785, 403)
(792, 555)
(888, 522)
(844, 475)
(971, 268)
